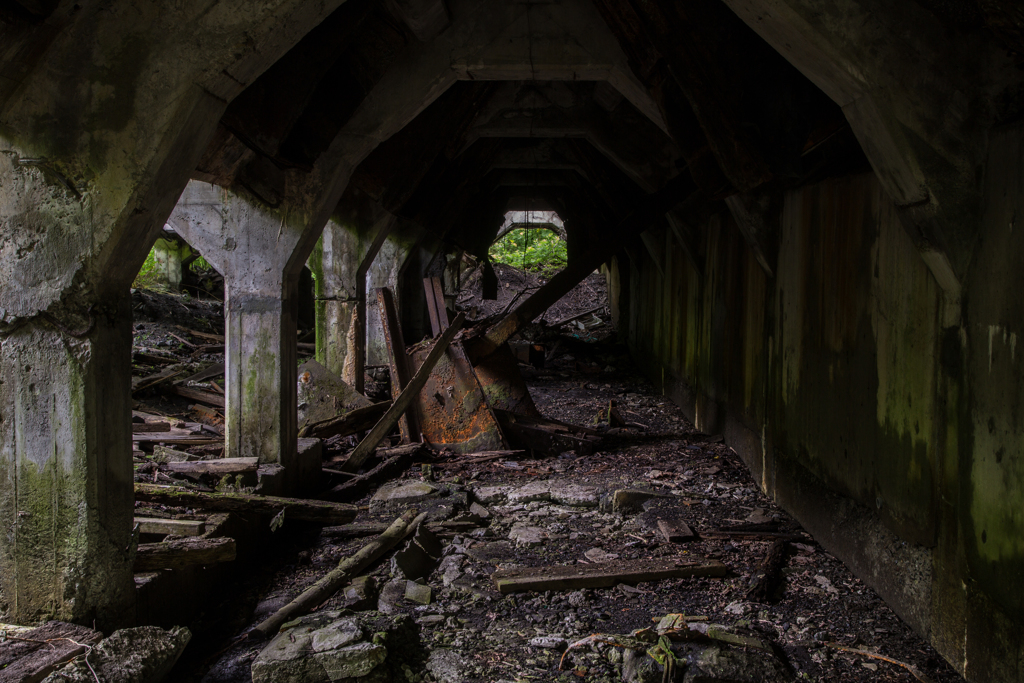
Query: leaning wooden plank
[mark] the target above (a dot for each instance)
(601, 575)
(177, 527)
(316, 594)
(198, 395)
(218, 467)
(182, 553)
(31, 656)
(140, 383)
(398, 360)
(320, 511)
(351, 422)
(404, 400)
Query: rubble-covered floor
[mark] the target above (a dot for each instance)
(476, 634)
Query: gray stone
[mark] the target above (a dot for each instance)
(631, 500)
(490, 495)
(549, 642)
(480, 511)
(448, 666)
(418, 593)
(402, 493)
(391, 597)
(361, 594)
(133, 655)
(419, 557)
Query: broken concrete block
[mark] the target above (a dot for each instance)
(575, 495)
(131, 655)
(537, 490)
(402, 494)
(529, 536)
(490, 495)
(327, 647)
(418, 593)
(323, 395)
(361, 594)
(480, 511)
(419, 557)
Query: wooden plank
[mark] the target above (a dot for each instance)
(147, 427)
(601, 574)
(182, 553)
(177, 527)
(675, 530)
(356, 530)
(402, 403)
(749, 536)
(294, 508)
(220, 466)
(207, 397)
(175, 438)
(158, 378)
(31, 656)
(398, 360)
(391, 468)
(436, 310)
(351, 422)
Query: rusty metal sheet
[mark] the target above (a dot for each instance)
(452, 409)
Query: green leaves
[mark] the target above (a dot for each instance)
(535, 250)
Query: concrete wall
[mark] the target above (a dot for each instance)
(881, 411)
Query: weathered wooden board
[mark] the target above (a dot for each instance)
(185, 552)
(601, 574)
(178, 527)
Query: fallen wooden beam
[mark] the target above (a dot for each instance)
(146, 427)
(600, 575)
(182, 553)
(315, 595)
(198, 395)
(351, 422)
(391, 468)
(33, 655)
(177, 438)
(354, 530)
(218, 467)
(210, 371)
(749, 535)
(405, 399)
(176, 527)
(320, 511)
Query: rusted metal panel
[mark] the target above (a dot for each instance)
(452, 409)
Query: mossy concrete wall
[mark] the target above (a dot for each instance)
(882, 411)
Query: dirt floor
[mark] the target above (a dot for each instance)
(559, 511)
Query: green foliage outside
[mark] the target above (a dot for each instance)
(148, 279)
(536, 250)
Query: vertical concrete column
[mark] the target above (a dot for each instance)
(335, 262)
(65, 409)
(168, 253)
(251, 246)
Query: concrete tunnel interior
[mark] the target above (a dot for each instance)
(804, 214)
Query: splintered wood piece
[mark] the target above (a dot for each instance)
(319, 511)
(391, 468)
(185, 552)
(177, 527)
(601, 574)
(216, 467)
(351, 422)
(675, 530)
(36, 653)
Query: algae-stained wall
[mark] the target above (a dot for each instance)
(849, 385)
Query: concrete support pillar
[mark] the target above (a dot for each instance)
(341, 264)
(252, 247)
(66, 494)
(169, 253)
